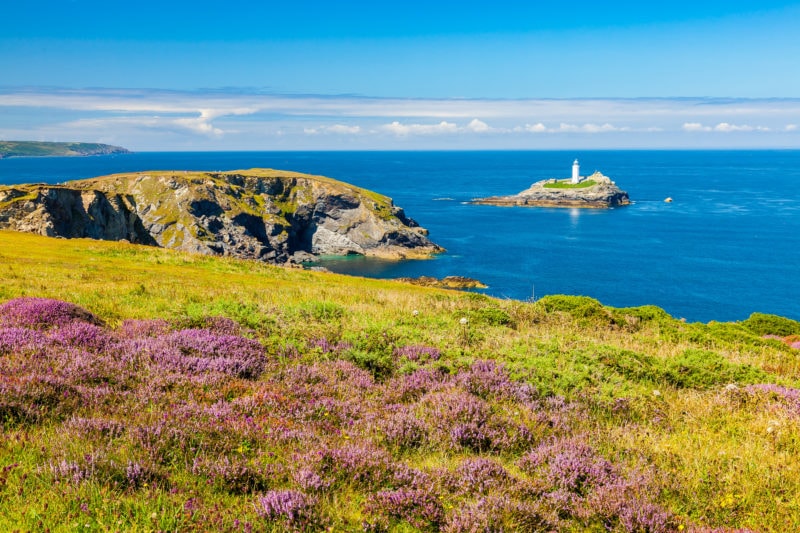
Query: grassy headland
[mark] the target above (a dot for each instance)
(322, 401)
(42, 149)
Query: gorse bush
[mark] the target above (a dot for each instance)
(763, 324)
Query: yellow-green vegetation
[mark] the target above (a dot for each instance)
(567, 184)
(705, 416)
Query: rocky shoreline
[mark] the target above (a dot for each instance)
(596, 192)
(269, 215)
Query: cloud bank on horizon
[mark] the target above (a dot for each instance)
(412, 75)
(237, 120)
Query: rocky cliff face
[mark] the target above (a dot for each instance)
(270, 215)
(601, 193)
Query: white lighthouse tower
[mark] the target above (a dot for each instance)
(576, 172)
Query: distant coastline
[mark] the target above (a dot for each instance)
(56, 149)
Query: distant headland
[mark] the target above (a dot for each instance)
(60, 149)
(596, 191)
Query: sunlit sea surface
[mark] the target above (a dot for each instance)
(726, 246)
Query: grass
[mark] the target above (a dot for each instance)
(678, 406)
(567, 184)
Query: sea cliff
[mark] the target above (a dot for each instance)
(269, 215)
(597, 191)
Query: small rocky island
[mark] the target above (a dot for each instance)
(269, 215)
(56, 149)
(596, 191)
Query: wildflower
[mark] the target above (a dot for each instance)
(656, 393)
(415, 312)
(463, 321)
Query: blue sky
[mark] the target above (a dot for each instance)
(402, 75)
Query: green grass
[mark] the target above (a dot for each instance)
(647, 388)
(566, 184)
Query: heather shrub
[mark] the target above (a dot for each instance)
(358, 465)
(420, 508)
(417, 353)
(411, 387)
(236, 475)
(35, 397)
(291, 508)
(18, 339)
(83, 335)
(43, 313)
(402, 429)
(490, 380)
(569, 465)
(478, 475)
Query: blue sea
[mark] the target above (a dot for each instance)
(728, 244)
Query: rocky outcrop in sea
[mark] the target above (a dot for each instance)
(268, 215)
(596, 191)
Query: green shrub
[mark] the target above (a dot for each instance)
(490, 316)
(380, 365)
(321, 311)
(701, 369)
(764, 324)
(577, 306)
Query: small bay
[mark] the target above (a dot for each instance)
(726, 246)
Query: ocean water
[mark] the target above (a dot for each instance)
(728, 245)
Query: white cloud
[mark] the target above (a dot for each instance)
(403, 130)
(337, 129)
(727, 128)
(535, 128)
(695, 126)
(232, 119)
(724, 127)
(478, 126)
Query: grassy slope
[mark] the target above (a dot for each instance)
(38, 149)
(722, 458)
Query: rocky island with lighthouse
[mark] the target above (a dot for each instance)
(596, 191)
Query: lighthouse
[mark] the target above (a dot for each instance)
(576, 172)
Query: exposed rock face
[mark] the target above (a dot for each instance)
(270, 215)
(447, 282)
(604, 193)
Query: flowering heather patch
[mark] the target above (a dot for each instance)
(294, 508)
(327, 347)
(417, 352)
(43, 313)
(421, 508)
(196, 351)
(479, 475)
(568, 464)
(402, 428)
(21, 339)
(488, 379)
(787, 396)
(412, 387)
